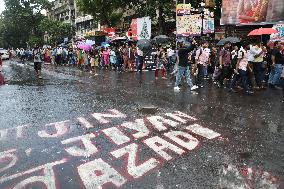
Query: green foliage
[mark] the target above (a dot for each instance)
(56, 30)
(34, 40)
(109, 12)
(21, 19)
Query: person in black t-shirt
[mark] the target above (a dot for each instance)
(183, 66)
(276, 67)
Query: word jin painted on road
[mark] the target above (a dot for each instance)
(166, 136)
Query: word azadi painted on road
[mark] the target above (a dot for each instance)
(166, 137)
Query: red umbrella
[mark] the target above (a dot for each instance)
(262, 31)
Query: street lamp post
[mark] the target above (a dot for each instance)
(202, 5)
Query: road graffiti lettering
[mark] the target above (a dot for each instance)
(177, 135)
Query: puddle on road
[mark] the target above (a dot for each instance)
(148, 110)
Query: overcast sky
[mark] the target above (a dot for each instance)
(2, 5)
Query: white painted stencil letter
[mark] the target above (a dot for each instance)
(116, 135)
(159, 145)
(179, 137)
(158, 122)
(181, 117)
(202, 131)
(97, 173)
(8, 159)
(46, 177)
(139, 126)
(88, 147)
(61, 128)
(114, 114)
(134, 169)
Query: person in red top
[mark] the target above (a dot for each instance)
(2, 82)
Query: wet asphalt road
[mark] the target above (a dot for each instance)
(248, 154)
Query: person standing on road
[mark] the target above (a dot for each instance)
(37, 61)
(258, 53)
(225, 64)
(240, 71)
(140, 60)
(276, 67)
(183, 66)
(202, 58)
(2, 81)
(161, 62)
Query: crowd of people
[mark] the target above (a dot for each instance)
(249, 65)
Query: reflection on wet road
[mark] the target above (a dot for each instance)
(76, 130)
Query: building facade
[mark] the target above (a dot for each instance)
(63, 11)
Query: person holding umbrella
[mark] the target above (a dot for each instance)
(258, 51)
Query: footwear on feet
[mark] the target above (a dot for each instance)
(194, 88)
(176, 88)
(233, 90)
(249, 92)
(278, 88)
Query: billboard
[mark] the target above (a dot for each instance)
(191, 24)
(250, 12)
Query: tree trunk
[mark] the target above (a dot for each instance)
(161, 19)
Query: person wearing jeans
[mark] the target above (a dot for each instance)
(276, 67)
(258, 52)
(201, 59)
(183, 67)
(240, 71)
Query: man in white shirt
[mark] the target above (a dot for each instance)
(241, 70)
(257, 52)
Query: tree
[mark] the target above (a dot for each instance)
(109, 12)
(56, 30)
(21, 19)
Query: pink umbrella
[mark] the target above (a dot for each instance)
(84, 47)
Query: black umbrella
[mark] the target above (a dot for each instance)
(144, 44)
(160, 39)
(230, 39)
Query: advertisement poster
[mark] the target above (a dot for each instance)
(249, 12)
(189, 25)
(208, 25)
(144, 28)
(280, 35)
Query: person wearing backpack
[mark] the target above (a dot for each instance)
(241, 69)
(202, 59)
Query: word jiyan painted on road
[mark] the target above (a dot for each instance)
(167, 136)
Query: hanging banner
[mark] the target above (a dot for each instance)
(208, 25)
(133, 33)
(183, 9)
(189, 25)
(144, 28)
